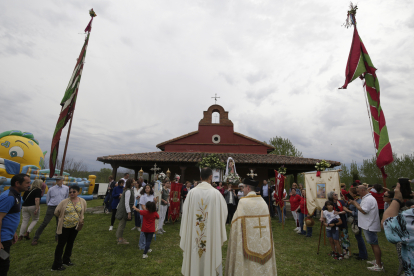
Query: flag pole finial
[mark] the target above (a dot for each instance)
(350, 19)
(89, 27)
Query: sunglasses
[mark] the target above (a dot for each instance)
(73, 192)
(385, 196)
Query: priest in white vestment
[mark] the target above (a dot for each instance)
(250, 250)
(203, 229)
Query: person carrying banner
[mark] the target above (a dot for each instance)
(250, 248)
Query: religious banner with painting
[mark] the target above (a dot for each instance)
(175, 195)
(318, 187)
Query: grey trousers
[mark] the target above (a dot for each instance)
(121, 227)
(50, 213)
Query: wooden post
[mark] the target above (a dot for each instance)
(183, 174)
(136, 174)
(320, 233)
(114, 171)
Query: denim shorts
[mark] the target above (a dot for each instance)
(334, 234)
(371, 237)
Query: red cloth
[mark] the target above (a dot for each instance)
(280, 186)
(148, 225)
(303, 207)
(175, 202)
(344, 193)
(379, 198)
(294, 202)
(221, 190)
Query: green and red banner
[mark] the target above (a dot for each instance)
(69, 101)
(175, 201)
(360, 65)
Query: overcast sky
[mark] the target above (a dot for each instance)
(152, 67)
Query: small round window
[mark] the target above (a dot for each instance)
(216, 139)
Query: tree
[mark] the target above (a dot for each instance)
(284, 147)
(103, 175)
(75, 168)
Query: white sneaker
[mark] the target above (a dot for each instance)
(139, 229)
(163, 230)
(149, 250)
(376, 268)
(144, 256)
(372, 262)
(111, 228)
(160, 232)
(133, 228)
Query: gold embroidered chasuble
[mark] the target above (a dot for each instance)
(203, 231)
(250, 248)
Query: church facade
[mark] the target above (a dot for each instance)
(180, 155)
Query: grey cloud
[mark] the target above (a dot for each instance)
(259, 76)
(229, 79)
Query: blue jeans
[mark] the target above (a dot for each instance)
(142, 241)
(107, 201)
(137, 219)
(309, 231)
(363, 254)
(301, 219)
(148, 238)
(279, 213)
(371, 237)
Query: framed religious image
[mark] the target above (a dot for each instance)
(320, 190)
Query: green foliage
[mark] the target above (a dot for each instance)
(102, 175)
(212, 161)
(284, 147)
(369, 173)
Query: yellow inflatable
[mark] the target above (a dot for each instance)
(19, 149)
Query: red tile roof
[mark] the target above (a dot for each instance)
(162, 156)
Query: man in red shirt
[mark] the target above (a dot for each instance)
(294, 200)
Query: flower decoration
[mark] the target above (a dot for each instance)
(162, 176)
(212, 161)
(233, 178)
(92, 13)
(282, 170)
(321, 166)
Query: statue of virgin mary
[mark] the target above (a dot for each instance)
(231, 166)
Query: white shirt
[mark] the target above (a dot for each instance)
(369, 221)
(330, 216)
(240, 194)
(144, 199)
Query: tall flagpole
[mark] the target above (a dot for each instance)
(72, 112)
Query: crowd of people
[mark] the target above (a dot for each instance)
(362, 208)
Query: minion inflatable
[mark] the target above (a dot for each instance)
(20, 153)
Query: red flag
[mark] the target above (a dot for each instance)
(175, 203)
(279, 188)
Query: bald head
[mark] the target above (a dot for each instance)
(362, 190)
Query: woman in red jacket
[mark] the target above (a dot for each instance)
(294, 200)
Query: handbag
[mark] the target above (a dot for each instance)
(354, 227)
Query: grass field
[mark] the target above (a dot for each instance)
(96, 252)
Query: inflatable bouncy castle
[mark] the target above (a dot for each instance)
(20, 153)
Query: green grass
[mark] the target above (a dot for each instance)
(96, 253)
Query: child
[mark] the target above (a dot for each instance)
(148, 225)
(332, 231)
